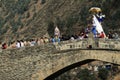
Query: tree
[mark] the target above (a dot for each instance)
(85, 74)
(103, 74)
(51, 28)
(43, 1)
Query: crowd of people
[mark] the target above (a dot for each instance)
(30, 42)
(56, 39)
(97, 19)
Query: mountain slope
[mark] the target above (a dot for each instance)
(35, 18)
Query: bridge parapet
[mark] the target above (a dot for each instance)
(109, 43)
(75, 44)
(85, 43)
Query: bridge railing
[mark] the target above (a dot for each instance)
(109, 43)
(89, 44)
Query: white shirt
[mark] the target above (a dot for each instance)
(22, 44)
(18, 45)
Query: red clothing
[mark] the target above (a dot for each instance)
(102, 35)
(4, 46)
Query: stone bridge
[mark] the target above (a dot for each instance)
(46, 61)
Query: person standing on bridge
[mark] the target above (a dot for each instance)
(22, 43)
(110, 36)
(18, 45)
(102, 35)
(4, 46)
(56, 39)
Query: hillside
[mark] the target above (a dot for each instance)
(21, 19)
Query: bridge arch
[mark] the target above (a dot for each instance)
(72, 66)
(66, 60)
(41, 62)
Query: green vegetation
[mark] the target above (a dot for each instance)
(85, 74)
(18, 7)
(103, 74)
(51, 28)
(12, 8)
(22, 6)
(70, 22)
(43, 1)
(60, 23)
(20, 14)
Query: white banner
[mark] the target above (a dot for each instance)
(97, 24)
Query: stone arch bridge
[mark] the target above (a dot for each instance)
(41, 62)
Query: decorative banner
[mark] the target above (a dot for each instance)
(97, 25)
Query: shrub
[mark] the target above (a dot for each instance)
(51, 28)
(22, 6)
(103, 74)
(70, 22)
(43, 1)
(60, 23)
(85, 74)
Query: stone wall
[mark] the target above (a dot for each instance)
(20, 64)
(109, 43)
(85, 43)
(39, 62)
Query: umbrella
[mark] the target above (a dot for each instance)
(95, 9)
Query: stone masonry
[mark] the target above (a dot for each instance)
(39, 62)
